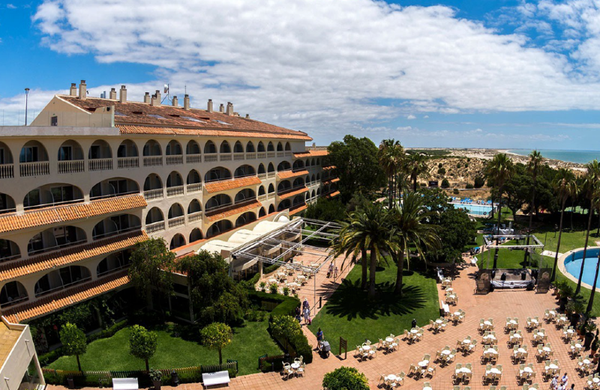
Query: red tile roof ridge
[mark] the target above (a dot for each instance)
(299, 209)
(207, 132)
(69, 212)
(224, 185)
(312, 153)
(290, 173)
(292, 193)
(232, 210)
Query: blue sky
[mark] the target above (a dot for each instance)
(493, 73)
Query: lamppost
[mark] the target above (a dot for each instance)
(26, 101)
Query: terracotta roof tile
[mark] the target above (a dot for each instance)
(333, 194)
(312, 153)
(234, 209)
(299, 209)
(293, 193)
(65, 298)
(70, 212)
(15, 269)
(224, 185)
(329, 167)
(165, 119)
(330, 181)
(288, 174)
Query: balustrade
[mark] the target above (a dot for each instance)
(100, 164)
(128, 162)
(34, 168)
(72, 166)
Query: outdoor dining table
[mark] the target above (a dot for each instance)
(295, 365)
(547, 349)
(490, 351)
(489, 337)
(427, 388)
(496, 371)
(389, 339)
(423, 363)
(527, 370)
(552, 366)
(414, 330)
(366, 347)
(301, 277)
(538, 335)
(446, 352)
(391, 378)
(272, 280)
(293, 284)
(449, 289)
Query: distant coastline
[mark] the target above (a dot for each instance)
(572, 156)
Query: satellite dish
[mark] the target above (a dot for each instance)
(166, 88)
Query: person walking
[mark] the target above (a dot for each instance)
(335, 272)
(564, 380)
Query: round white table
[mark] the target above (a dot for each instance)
(464, 370)
(586, 361)
(391, 377)
(415, 331)
(389, 339)
(366, 347)
(494, 371)
(426, 388)
(516, 336)
(423, 363)
(438, 321)
(528, 370)
(449, 289)
(489, 337)
(596, 380)
(490, 351)
(295, 365)
(553, 366)
(578, 346)
(547, 349)
(446, 352)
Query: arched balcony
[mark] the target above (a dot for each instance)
(210, 152)
(279, 147)
(238, 151)
(61, 278)
(7, 204)
(271, 171)
(117, 186)
(100, 156)
(194, 211)
(128, 155)
(284, 166)
(217, 202)
(7, 167)
(56, 238)
(153, 187)
(193, 181)
(285, 204)
(298, 183)
(299, 201)
(70, 157)
(262, 172)
(262, 195)
(307, 162)
(155, 220)
(192, 153)
(219, 227)
(262, 212)
(177, 241)
(12, 293)
(298, 165)
(9, 250)
(195, 235)
(261, 150)
(52, 195)
(284, 186)
(271, 188)
(174, 153)
(33, 160)
(218, 173)
(250, 151)
(152, 154)
(113, 263)
(176, 215)
(243, 171)
(224, 151)
(271, 209)
(114, 225)
(245, 218)
(245, 195)
(174, 184)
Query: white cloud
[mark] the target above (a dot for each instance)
(319, 65)
(411, 117)
(11, 6)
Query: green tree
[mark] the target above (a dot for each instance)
(142, 343)
(150, 262)
(416, 166)
(73, 340)
(326, 210)
(215, 296)
(391, 157)
(479, 181)
(345, 378)
(590, 189)
(563, 187)
(357, 166)
(409, 230)
(534, 167)
(498, 171)
(216, 336)
(445, 183)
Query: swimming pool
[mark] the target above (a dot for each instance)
(474, 209)
(573, 265)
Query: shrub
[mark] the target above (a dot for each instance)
(441, 171)
(455, 191)
(469, 186)
(286, 291)
(273, 288)
(287, 331)
(263, 286)
(458, 166)
(479, 181)
(440, 165)
(270, 268)
(345, 378)
(445, 183)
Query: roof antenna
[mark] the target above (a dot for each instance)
(166, 92)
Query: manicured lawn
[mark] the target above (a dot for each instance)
(249, 342)
(350, 314)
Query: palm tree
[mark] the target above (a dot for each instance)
(563, 186)
(590, 190)
(390, 157)
(498, 171)
(534, 166)
(595, 202)
(409, 228)
(415, 167)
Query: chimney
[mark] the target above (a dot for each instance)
(209, 107)
(175, 102)
(113, 94)
(221, 108)
(186, 102)
(247, 116)
(229, 108)
(158, 97)
(73, 90)
(82, 90)
(147, 98)
(123, 94)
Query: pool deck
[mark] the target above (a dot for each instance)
(563, 269)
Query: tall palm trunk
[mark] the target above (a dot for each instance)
(399, 258)
(587, 236)
(591, 301)
(365, 265)
(372, 273)
(560, 227)
(533, 208)
(498, 231)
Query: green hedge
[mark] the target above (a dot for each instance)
(293, 340)
(270, 268)
(285, 305)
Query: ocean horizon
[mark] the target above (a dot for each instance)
(574, 156)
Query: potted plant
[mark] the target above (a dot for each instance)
(156, 378)
(286, 291)
(273, 288)
(595, 345)
(564, 292)
(589, 329)
(263, 286)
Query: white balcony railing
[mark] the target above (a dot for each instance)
(238, 156)
(262, 197)
(280, 154)
(34, 168)
(270, 154)
(250, 156)
(194, 187)
(225, 157)
(128, 162)
(174, 160)
(174, 191)
(261, 155)
(100, 164)
(288, 153)
(271, 175)
(262, 176)
(177, 221)
(211, 157)
(151, 161)
(195, 216)
(155, 226)
(7, 171)
(153, 194)
(72, 166)
(193, 158)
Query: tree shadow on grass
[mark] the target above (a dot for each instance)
(352, 302)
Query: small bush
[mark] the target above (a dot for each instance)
(271, 268)
(287, 331)
(273, 288)
(458, 166)
(455, 191)
(440, 165)
(445, 183)
(345, 378)
(441, 171)
(479, 181)
(469, 186)
(286, 291)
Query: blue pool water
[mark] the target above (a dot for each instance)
(573, 265)
(474, 209)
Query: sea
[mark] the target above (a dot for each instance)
(575, 156)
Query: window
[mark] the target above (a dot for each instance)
(62, 194)
(95, 151)
(65, 153)
(29, 154)
(32, 198)
(65, 234)
(2, 161)
(120, 186)
(54, 121)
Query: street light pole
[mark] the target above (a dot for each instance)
(26, 101)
